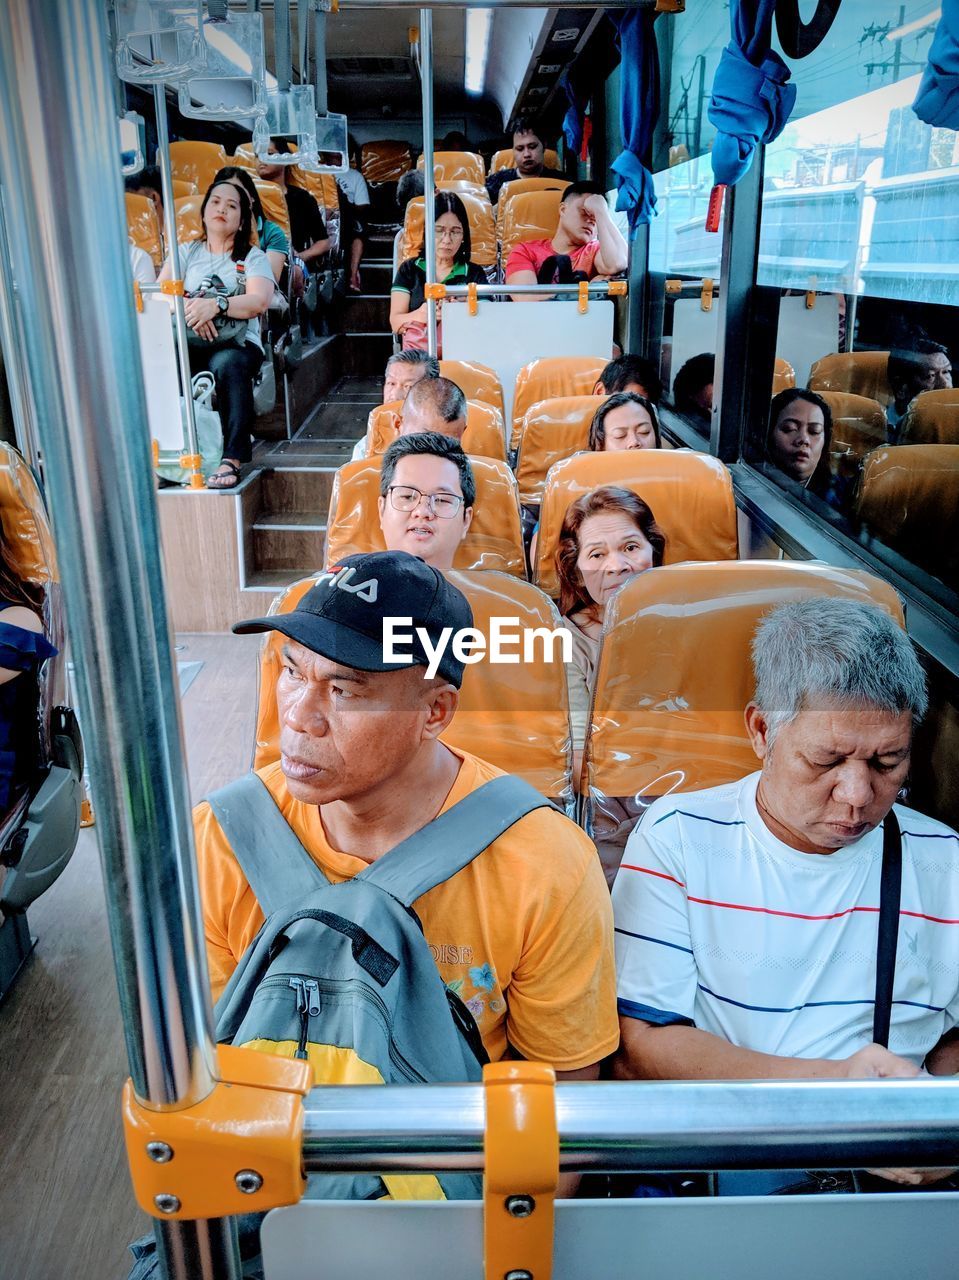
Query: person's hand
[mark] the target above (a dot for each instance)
(595, 205)
(876, 1063)
(913, 1177)
(199, 314)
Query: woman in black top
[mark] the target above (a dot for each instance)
(453, 266)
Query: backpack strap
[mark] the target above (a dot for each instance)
(889, 899)
(274, 862)
(450, 842)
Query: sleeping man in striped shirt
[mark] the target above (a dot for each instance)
(747, 914)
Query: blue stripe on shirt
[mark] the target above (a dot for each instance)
(700, 817)
(644, 937)
(810, 1004)
(646, 1012)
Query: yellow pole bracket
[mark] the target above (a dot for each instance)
(706, 294)
(811, 293)
(618, 288)
(674, 286)
(173, 288)
(472, 299)
(435, 291)
(670, 6)
(193, 462)
(522, 1170)
(583, 303)
(155, 450)
(239, 1150)
(137, 295)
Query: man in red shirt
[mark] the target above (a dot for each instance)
(587, 244)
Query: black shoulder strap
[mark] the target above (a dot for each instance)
(889, 898)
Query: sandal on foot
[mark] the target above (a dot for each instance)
(226, 476)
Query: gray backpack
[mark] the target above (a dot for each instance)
(341, 974)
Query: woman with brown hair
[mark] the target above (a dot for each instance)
(608, 536)
(23, 649)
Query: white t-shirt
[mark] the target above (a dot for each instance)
(142, 266)
(353, 185)
(722, 926)
(197, 264)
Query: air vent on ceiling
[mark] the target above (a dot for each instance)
(368, 66)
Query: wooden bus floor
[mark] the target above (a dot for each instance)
(66, 1209)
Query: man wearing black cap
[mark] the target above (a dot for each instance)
(524, 933)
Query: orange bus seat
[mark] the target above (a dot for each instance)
(932, 418)
(476, 381)
(143, 227)
(665, 717)
(505, 159)
(382, 427)
(197, 162)
(514, 716)
(245, 156)
(909, 499)
(26, 530)
(552, 430)
(460, 185)
(494, 540)
(183, 188)
(864, 373)
(784, 375)
(519, 186)
(484, 436)
(689, 493)
(549, 377)
(448, 166)
(532, 215)
(189, 225)
(385, 161)
(482, 229)
(858, 423)
(274, 203)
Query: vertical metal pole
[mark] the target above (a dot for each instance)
(734, 333)
(429, 182)
(13, 346)
(173, 247)
(58, 152)
(318, 57)
(282, 44)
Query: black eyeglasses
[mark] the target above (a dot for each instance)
(403, 497)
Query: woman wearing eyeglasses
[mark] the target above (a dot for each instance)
(453, 266)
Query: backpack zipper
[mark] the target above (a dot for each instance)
(307, 1006)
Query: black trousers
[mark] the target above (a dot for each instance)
(233, 369)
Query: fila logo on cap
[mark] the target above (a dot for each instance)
(341, 577)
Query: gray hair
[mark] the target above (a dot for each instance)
(835, 649)
(439, 396)
(416, 357)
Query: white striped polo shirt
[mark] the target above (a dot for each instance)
(722, 926)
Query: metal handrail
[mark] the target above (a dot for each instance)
(647, 1125)
(600, 287)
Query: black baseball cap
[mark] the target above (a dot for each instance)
(341, 618)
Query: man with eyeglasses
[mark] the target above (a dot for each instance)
(434, 404)
(427, 493)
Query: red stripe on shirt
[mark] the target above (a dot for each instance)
(770, 911)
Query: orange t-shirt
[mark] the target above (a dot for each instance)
(524, 934)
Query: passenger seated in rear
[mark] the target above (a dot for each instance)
(746, 914)
(408, 306)
(23, 650)
(524, 933)
(693, 389)
(434, 404)
(625, 421)
(608, 536)
(800, 434)
(403, 370)
(630, 373)
(925, 366)
(427, 491)
(587, 244)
